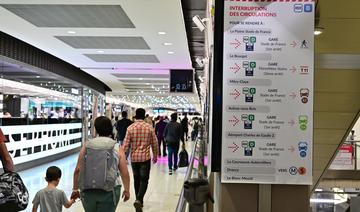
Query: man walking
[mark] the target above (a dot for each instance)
(121, 127)
(141, 137)
(173, 134)
(159, 130)
(185, 124)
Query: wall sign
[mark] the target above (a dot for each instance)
(268, 78)
(31, 142)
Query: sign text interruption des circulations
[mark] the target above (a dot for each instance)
(250, 11)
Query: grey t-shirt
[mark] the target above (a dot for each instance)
(50, 200)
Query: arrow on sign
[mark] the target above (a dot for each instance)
(236, 43)
(293, 95)
(234, 121)
(235, 68)
(291, 122)
(291, 149)
(293, 69)
(235, 147)
(293, 44)
(236, 94)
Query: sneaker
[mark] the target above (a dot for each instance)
(170, 172)
(138, 206)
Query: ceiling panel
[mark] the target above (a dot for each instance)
(144, 76)
(123, 58)
(144, 81)
(102, 42)
(83, 16)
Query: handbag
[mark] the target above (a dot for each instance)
(183, 158)
(13, 194)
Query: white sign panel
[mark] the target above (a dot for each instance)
(268, 73)
(31, 142)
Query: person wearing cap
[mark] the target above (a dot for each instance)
(141, 136)
(5, 157)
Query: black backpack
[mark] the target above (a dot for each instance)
(183, 158)
(13, 194)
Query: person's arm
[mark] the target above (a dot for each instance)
(36, 202)
(34, 208)
(65, 201)
(126, 141)
(75, 194)
(165, 131)
(156, 128)
(6, 158)
(181, 133)
(124, 173)
(69, 203)
(154, 145)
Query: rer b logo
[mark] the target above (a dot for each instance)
(298, 8)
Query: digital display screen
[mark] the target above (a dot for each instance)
(181, 80)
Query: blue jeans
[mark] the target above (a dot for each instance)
(172, 152)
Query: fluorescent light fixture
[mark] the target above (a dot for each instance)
(140, 78)
(71, 32)
(21, 81)
(101, 51)
(37, 76)
(162, 33)
(147, 83)
(49, 82)
(171, 52)
(335, 201)
(318, 30)
(168, 44)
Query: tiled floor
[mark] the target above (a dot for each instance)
(162, 194)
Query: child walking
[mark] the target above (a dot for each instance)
(51, 198)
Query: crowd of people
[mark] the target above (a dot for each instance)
(103, 160)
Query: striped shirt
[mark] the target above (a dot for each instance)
(140, 136)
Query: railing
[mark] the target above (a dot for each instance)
(198, 154)
(181, 205)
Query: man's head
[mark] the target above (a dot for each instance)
(124, 114)
(103, 126)
(140, 113)
(173, 116)
(53, 174)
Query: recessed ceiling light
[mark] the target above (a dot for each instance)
(168, 44)
(49, 82)
(37, 76)
(147, 83)
(71, 32)
(21, 81)
(162, 33)
(100, 51)
(171, 52)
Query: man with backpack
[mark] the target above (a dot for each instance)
(101, 161)
(141, 136)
